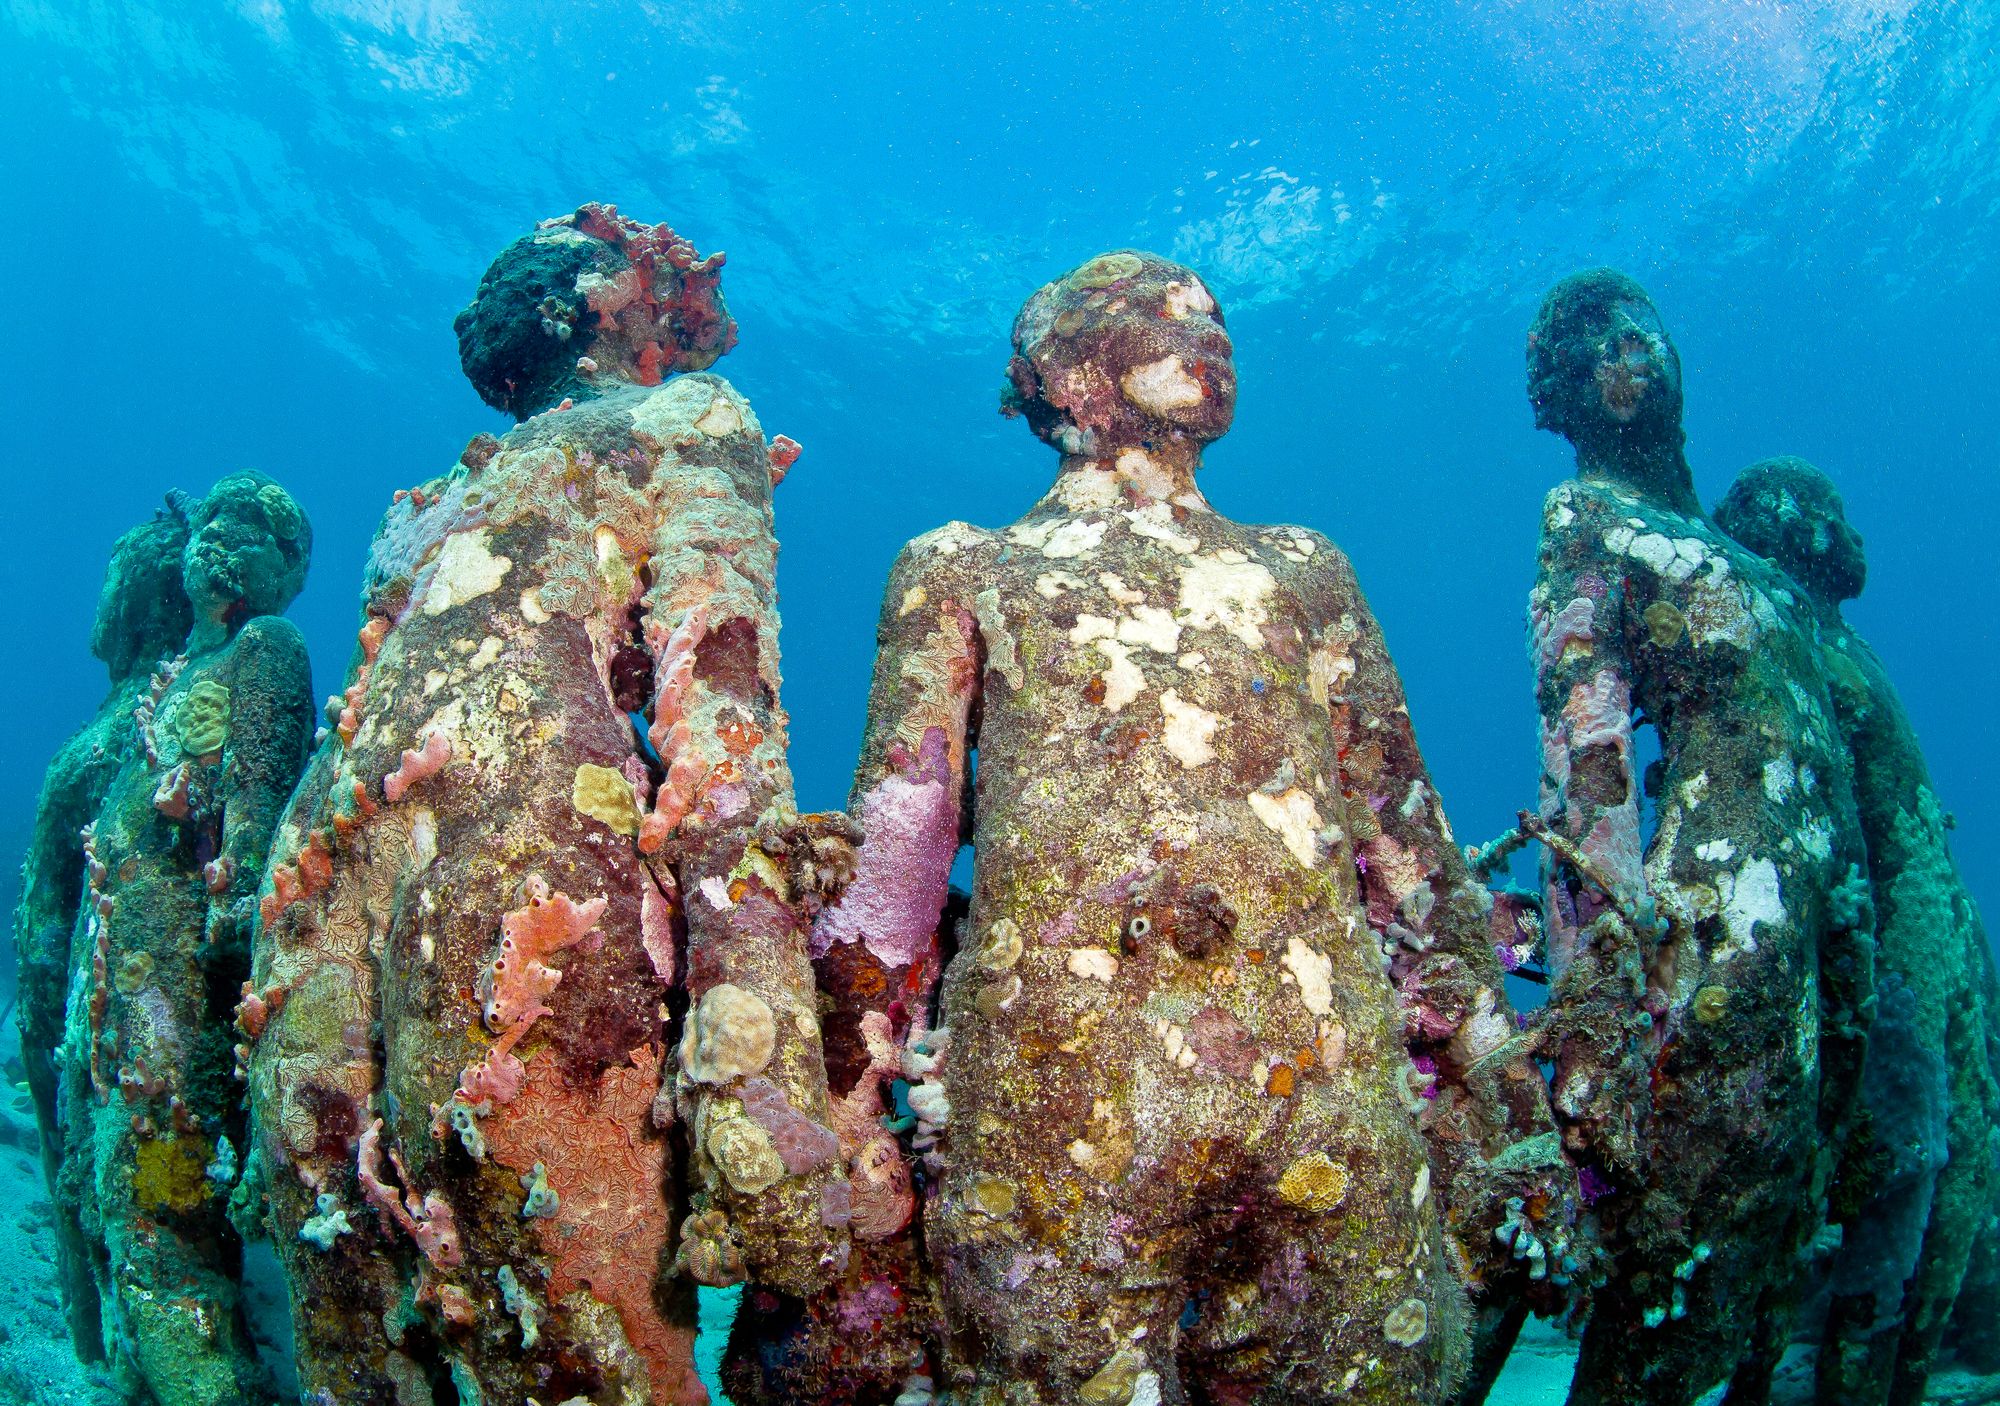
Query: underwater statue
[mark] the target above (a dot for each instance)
(1923, 1179)
(1166, 1131)
(150, 1107)
(1709, 979)
(143, 617)
(554, 798)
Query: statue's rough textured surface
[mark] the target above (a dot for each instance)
(1921, 1181)
(553, 799)
(1709, 977)
(1166, 1121)
(143, 617)
(151, 1110)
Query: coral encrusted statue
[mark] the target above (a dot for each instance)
(142, 621)
(1923, 1181)
(554, 798)
(1709, 978)
(151, 1108)
(1166, 1116)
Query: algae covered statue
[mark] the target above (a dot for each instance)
(553, 798)
(1707, 981)
(1923, 1182)
(142, 621)
(150, 1107)
(1166, 1116)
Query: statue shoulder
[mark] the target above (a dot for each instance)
(942, 547)
(698, 402)
(269, 647)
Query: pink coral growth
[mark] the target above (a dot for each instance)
(219, 873)
(1600, 714)
(170, 798)
(1575, 623)
(881, 1200)
(673, 673)
(427, 761)
(803, 1144)
(657, 906)
(428, 1220)
(910, 820)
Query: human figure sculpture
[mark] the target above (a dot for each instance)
(151, 1112)
(1973, 1335)
(1708, 980)
(1165, 1115)
(1924, 1181)
(554, 799)
(142, 620)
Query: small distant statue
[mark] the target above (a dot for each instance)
(553, 799)
(1708, 935)
(1166, 1128)
(151, 1113)
(142, 621)
(1921, 1187)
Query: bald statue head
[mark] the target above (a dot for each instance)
(587, 303)
(1601, 367)
(1125, 351)
(143, 614)
(1787, 510)
(248, 547)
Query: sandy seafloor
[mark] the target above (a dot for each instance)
(37, 1367)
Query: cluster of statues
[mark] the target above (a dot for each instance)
(523, 1001)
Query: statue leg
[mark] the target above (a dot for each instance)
(1328, 1283)
(1960, 1209)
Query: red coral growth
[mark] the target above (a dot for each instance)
(428, 1220)
(255, 1010)
(609, 1233)
(783, 452)
(514, 983)
(371, 637)
(309, 874)
(669, 303)
(427, 761)
(516, 980)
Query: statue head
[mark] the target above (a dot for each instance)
(1601, 368)
(1127, 350)
(247, 551)
(1789, 511)
(586, 303)
(143, 614)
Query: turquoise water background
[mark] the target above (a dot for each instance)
(235, 234)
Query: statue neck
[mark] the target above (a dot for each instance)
(1656, 471)
(1131, 475)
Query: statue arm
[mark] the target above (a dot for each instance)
(271, 722)
(1489, 1128)
(721, 838)
(1600, 918)
(878, 951)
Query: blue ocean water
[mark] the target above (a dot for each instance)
(235, 235)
